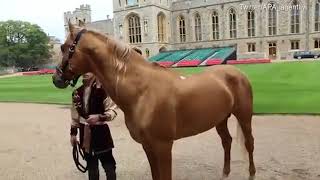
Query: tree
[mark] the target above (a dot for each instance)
(23, 44)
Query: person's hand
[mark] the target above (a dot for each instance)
(77, 100)
(93, 119)
(73, 140)
(107, 117)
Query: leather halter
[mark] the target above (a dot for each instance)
(65, 63)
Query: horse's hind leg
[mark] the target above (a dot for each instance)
(245, 119)
(226, 139)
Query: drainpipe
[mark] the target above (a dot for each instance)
(308, 16)
(261, 25)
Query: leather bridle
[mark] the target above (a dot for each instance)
(65, 62)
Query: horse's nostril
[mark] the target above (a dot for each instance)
(58, 82)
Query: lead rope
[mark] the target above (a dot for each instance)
(75, 153)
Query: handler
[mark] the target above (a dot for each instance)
(91, 109)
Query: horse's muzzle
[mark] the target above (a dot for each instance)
(59, 82)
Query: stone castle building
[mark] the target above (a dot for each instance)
(84, 13)
(257, 28)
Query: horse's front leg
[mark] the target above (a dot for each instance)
(152, 162)
(159, 152)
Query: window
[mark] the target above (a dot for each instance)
(295, 44)
(317, 43)
(197, 27)
(272, 44)
(317, 16)
(215, 25)
(233, 23)
(120, 29)
(272, 20)
(145, 26)
(251, 23)
(295, 17)
(182, 29)
(131, 2)
(119, 3)
(161, 28)
(251, 47)
(134, 29)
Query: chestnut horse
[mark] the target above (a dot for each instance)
(159, 104)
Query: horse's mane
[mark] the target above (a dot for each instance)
(122, 51)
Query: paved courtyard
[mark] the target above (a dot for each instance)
(35, 146)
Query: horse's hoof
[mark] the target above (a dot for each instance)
(252, 177)
(224, 176)
(252, 171)
(226, 171)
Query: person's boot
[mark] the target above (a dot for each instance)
(93, 174)
(110, 172)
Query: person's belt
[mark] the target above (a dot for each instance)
(84, 122)
(87, 133)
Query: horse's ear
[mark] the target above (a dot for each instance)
(137, 50)
(81, 23)
(71, 27)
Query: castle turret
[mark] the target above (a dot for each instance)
(83, 13)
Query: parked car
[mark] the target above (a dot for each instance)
(26, 69)
(34, 69)
(305, 54)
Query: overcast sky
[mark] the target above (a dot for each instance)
(48, 14)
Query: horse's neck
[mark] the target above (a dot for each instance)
(125, 85)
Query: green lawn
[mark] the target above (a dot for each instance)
(278, 88)
(35, 89)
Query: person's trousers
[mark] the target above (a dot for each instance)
(107, 161)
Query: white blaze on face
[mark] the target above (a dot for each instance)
(183, 77)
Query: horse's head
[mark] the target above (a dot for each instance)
(80, 52)
(74, 62)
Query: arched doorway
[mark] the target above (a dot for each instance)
(162, 49)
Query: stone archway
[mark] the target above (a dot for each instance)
(162, 49)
